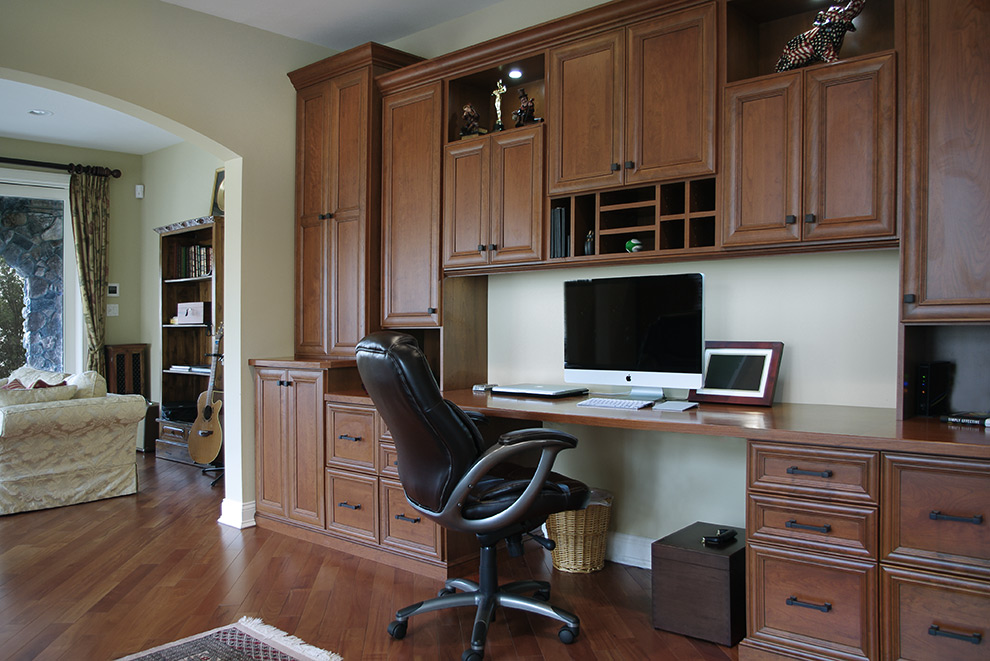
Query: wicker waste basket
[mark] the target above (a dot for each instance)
(581, 535)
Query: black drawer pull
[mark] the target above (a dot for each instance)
(974, 638)
(345, 437)
(348, 505)
(938, 516)
(794, 470)
(403, 517)
(825, 528)
(794, 601)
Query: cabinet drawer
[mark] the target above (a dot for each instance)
(352, 504)
(351, 441)
(934, 617)
(173, 451)
(937, 513)
(172, 431)
(812, 603)
(405, 529)
(388, 460)
(826, 527)
(843, 475)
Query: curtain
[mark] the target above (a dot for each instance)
(89, 202)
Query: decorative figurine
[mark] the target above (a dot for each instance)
(822, 42)
(527, 110)
(589, 243)
(471, 118)
(634, 245)
(497, 93)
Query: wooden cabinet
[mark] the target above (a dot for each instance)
(411, 172)
(191, 272)
(812, 557)
(635, 104)
(811, 155)
(928, 616)
(945, 270)
(493, 198)
(289, 443)
(338, 194)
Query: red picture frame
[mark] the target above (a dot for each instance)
(739, 373)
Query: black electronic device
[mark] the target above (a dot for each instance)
(934, 381)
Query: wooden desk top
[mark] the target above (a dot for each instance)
(836, 426)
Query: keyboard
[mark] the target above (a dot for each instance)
(613, 403)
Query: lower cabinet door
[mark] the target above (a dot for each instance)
(352, 505)
(404, 528)
(812, 603)
(926, 616)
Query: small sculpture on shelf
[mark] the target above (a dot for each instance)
(497, 93)
(589, 243)
(822, 42)
(527, 110)
(471, 119)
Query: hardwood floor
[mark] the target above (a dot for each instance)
(101, 580)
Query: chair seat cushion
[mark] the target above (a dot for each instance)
(496, 492)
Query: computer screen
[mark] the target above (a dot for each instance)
(640, 331)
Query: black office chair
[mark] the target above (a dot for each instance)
(450, 477)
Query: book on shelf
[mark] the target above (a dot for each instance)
(975, 418)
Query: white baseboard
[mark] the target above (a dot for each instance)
(236, 514)
(629, 550)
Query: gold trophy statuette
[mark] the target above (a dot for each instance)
(497, 93)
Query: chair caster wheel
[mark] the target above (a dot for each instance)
(542, 595)
(567, 635)
(445, 591)
(397, 629)
(472, 655)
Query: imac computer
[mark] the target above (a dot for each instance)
(646, 332)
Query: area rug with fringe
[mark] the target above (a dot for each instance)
(249, 639)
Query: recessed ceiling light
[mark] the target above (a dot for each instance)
(40, 112)
(515, 73)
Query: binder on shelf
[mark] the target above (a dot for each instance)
(559, 233)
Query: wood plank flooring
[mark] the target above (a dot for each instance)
(101, 580)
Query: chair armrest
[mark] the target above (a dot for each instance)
(520, 435)
(548, 441)
(24, 420)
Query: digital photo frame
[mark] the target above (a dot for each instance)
(739, 373)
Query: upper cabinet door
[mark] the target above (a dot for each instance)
(585, 95)
(312, 204)
(762, 178)
(466, 211)
(850, 150)
(412, 125)
(946, 269)
(670, 101)
(517, 196)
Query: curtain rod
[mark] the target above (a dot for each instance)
(71, 168)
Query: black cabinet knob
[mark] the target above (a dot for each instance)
(790, 219)
(809, 218)
(630, 165)
(615, 167)
(431, 310)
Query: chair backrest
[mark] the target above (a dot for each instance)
(435, 441)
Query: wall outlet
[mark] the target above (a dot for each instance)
(113, 309)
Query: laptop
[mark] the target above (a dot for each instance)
(539, 390)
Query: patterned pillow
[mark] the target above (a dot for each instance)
(35, 395)
(28, 376)
(88, 384)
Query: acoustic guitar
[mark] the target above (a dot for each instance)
(206, 436)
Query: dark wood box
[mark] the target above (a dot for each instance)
(699, 590)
